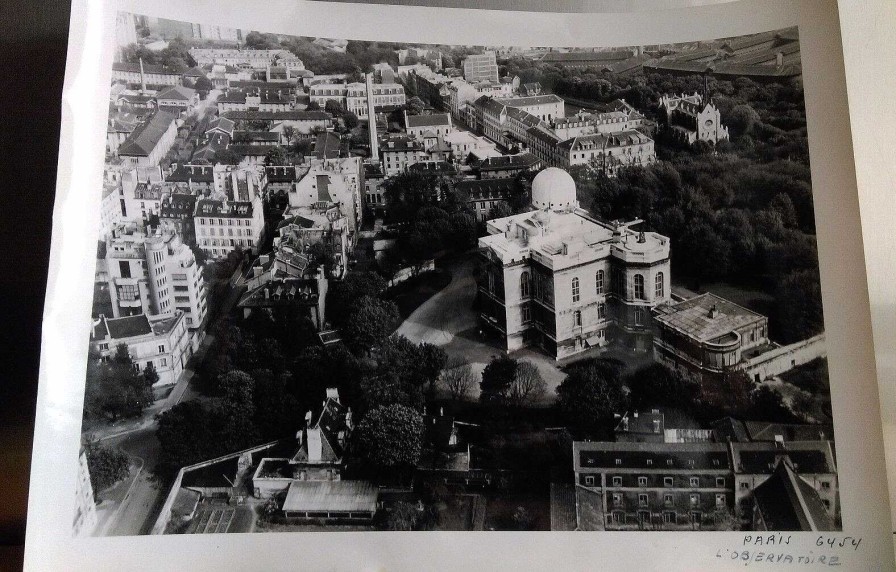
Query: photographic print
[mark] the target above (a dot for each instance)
(350, 285)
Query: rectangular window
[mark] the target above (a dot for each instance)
(695, 482)
(744, 485)
(720, 482)
(642, 499)
(124, 268)
(589, 480)
(617, 481)
(667, 481)
(669, 517)
(642, 481)
(164, 361)
(527, 314)
(577, 318)
(825, 485)
(617, 499)
(695, 500)
(639, 316)
(668, 499)
(720, 500)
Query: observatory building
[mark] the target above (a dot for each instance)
(557, 278)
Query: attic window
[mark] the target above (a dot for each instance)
(618, 461)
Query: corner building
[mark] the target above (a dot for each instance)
(557, 278)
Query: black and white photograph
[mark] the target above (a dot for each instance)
(350, 285)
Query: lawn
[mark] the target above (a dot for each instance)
(412, 293)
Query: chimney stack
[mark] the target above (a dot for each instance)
(142, 78)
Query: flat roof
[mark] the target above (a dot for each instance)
(692, 317)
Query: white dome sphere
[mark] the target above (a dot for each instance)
(553, 189)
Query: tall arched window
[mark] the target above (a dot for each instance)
(660, 285)
(575, 289)
(639, 287)
(524, 284)
(599, 282)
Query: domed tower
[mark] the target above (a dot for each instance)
(554, 189)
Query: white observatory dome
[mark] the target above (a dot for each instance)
(553, 189)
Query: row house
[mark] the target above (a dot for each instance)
(397, 153)
(145, 74)
(255, 99)
(148, 144)
(607, 152)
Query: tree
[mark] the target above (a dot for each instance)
(403, 517)
(497, 377)
(458, 378)
(741, 120)
(115, 388)
(203, 85)
(592, 393)
(106, 466)
(350, 120)
(355, 286)
(656, 385)
(334, 107)
(500, 210)
(276, 156)
(258, 41)
(391, 436)
(186, 436)
(313, 106)
(527, 386)
(150, 375)
(372, 321)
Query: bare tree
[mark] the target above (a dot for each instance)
(527, 386)
(459, 378)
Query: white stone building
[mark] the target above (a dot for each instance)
(559, 279)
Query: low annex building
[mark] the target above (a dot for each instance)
(557, 278)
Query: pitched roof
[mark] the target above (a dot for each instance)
(487, 188)
(144, 139)
(221, 124)
(293, 115)
(178, 92)
(576, 57)
(128, 326)
(331, 496)
(428, 120)
(530, 100)
(667, 456)
(519, 161)
(327, 145)
(787, 502)
(147, 68)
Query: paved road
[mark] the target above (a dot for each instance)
(448, 320)
(137, 512)
(441, 318)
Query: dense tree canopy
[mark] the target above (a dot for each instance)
(115, 388)
(106, 466)
(591, 394)
(391, 436)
